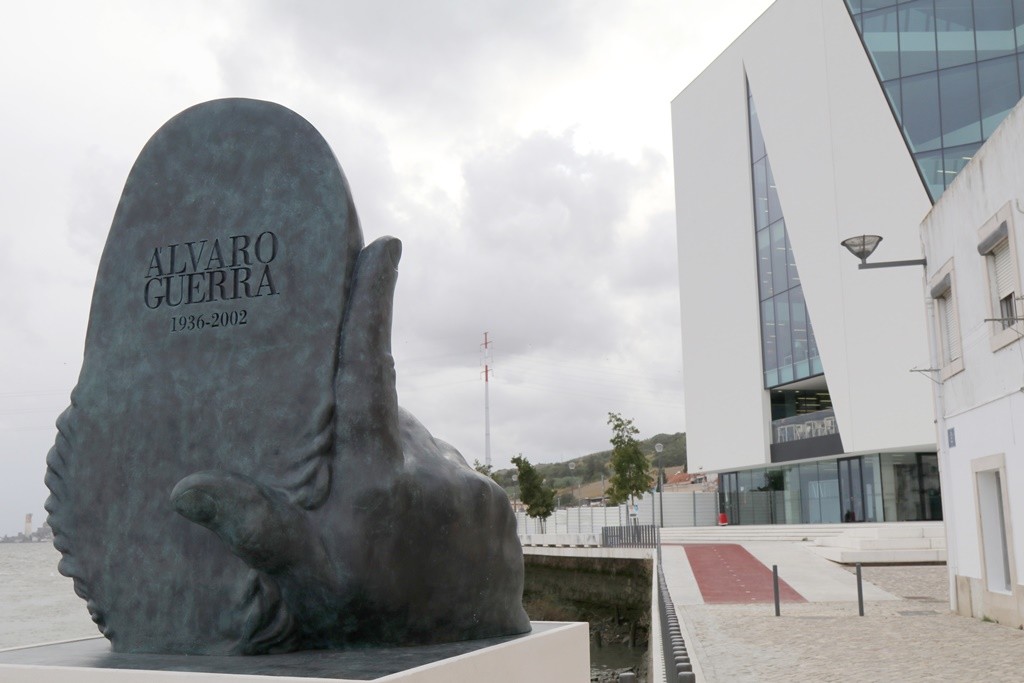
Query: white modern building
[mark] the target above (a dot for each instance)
(974, 245)
(808, 382)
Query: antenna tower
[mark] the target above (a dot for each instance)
(486, 348)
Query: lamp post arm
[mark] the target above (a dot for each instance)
(893, 264)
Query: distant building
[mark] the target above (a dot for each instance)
(825, 120)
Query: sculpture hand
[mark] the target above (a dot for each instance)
(403, 517)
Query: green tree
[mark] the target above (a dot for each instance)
(538, 497)
(630, 476)
(486, 470)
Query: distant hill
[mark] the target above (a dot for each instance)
(590, 468)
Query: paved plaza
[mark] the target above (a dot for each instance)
(907, 633)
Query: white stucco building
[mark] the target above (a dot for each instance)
(807, 381)
(973, 243)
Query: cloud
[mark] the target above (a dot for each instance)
(518, 147)
(434, 62)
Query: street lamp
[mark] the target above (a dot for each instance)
(658, 448)
(576, 484)
(863, 246)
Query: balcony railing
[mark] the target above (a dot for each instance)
(806, 426)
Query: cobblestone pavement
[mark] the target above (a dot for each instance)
(915, 639)
(914, 582)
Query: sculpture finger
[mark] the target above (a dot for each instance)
(256, 522)
(367, 401)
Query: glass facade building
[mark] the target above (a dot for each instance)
(788, 348)
(882, 487)
(951, 70)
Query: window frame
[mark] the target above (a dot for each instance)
(997, 231)
(995, 466)
(942, 286)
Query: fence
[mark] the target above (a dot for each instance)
(630, 536)
(670, 509)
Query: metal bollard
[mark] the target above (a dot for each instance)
(775, 586)
(860, 592)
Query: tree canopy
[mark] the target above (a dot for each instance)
(486, 470)
(537, 496)
(630, 475)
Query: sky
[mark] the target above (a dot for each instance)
(521, 149)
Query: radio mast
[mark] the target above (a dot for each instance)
(486, 346)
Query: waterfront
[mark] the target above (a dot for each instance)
(38, 605)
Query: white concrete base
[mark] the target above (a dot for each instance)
(558, 653)
(901, 543)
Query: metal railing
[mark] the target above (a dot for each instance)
(806, 426)
(631, 536)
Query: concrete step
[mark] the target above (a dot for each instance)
(741, 533)
(862, 543)
(855, 543)
(918, 535)
(850, 556)
(907, 530)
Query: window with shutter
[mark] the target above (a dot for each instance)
(997, 245)
(950, 329)
(1002, 267)
(942, 286)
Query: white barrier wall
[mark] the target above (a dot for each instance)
(670, 509)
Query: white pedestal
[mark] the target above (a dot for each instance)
(553, 652)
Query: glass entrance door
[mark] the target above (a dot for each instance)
(851, 489)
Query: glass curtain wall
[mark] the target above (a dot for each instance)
(789, 350)
(888, 487)
(951, 70)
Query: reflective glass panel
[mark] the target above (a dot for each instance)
(828, 483)
(958, 99)
(917, 37)
(882, 39)
(810, 490)
(954, 22)
(955, 158)
(872, 489)
(993, 22)
(999, 89)
(760, 177)
(893, 91)
(920, 113)
(951, 81)
(799, 320)
(780, 278)
(783, 337)
(777, 278)
(774, 207)
(794, 276)
(768, 335)
(930, 164)
(764, 263)
(1018, 15)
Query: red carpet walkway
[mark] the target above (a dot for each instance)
(727, 573)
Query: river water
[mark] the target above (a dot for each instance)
(38, 605)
